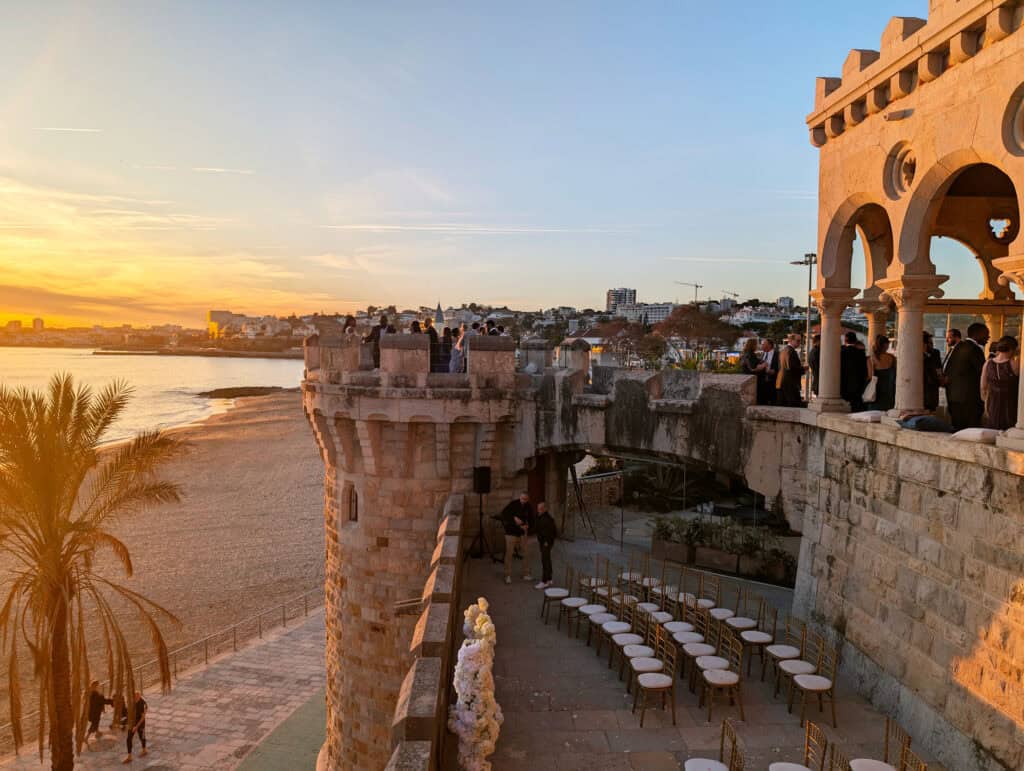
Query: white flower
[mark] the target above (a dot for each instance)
(476, 717)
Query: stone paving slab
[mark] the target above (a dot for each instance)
(216, 715)
(566, 711)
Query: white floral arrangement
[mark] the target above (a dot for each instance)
(476, 717)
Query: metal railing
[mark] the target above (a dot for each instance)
(191, 655)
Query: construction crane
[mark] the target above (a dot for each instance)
(733, 295)
(696, 287)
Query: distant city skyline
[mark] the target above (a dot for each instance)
(154, 162)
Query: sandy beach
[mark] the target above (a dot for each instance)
(249, 531)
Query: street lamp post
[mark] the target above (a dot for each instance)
(810, 260)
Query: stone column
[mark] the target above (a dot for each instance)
(1013, 272)
(996, 323)
(831, 304)
(910, 294)
(878, 314)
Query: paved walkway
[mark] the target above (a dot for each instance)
(216, 715)
(566, 711)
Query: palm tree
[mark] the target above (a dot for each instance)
(59, 495)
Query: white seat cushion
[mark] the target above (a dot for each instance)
(590, 610)
(868, 416)
(712, 662)
(649, 582)
(629, 599)
(703, 764)
(660, 616)
(648, 607)
(672, 627)
(698, 649)
(602, 618)
(981, 435)
(705, 603)
(787, 766)
(797, 667)
(655, 680)
(783, 651)
(616, 627)
(720, 614)
(627, 638)
(741, 622)
(755, 637)
(646, 664)
(813, 682)
(866, 764)
(592, 582)
(555, 593)
(631, 576)
(574, 602)
(684, 638)
(602, 592)
(637, 651)
(720, 676)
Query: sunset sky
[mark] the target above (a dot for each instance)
(160, 159)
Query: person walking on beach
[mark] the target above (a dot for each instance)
(138, 727)
(517, 517)
(547, 532)
(97, 703)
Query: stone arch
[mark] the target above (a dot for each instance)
(859, 216)
(925, 215)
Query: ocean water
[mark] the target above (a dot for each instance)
(166, 388)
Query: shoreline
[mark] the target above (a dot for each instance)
(212, 353)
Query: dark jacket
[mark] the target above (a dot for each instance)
(513, 510)
(932, 372)
(545, 529)
(853, 373)
(814, 362)
(963, 373)
(97, 703)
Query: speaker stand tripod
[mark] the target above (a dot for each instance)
(479, 547)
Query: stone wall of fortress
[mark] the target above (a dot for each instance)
(913, 560)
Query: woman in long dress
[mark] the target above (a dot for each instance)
(1000, 378)
(883, 366)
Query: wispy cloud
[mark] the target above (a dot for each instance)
(745, 260)
(467, 228)
(71, 129)
(219, 170)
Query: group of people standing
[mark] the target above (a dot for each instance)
(447, 350)
(521, 524)
(97, 704)
(981, 389)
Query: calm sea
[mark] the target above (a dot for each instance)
(166, 387)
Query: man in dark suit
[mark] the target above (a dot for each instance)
(766, 383)
(963, 378)
(853, 373)
(790, 371)
(374, 337)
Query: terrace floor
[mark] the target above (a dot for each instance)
(565, 710)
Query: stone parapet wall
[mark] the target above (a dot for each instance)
(913, 561)
(912, 52)
(419, 726)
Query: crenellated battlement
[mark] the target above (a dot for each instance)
(912, 52)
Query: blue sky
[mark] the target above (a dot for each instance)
(305, 156)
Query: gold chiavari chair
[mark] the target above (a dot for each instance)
(821, 684)
(728, 680)
(663, 681)
(815, 751)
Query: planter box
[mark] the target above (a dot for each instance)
(716, 559)
(671, 551)
(756, 567)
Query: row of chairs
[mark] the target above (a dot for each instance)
(819, 754)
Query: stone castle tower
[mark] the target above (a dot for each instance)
(396, 441)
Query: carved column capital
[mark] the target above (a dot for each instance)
(911, 293)
(1011, 270)
(832, 302)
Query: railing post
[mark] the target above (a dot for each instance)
(305, 605)
(206, 650)
(234, 638)
(284, 612)
(259, 625)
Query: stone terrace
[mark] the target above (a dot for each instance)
(565, 710)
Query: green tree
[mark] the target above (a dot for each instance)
(59, 497)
